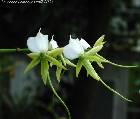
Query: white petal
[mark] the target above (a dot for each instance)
(73, 50)
(53, 44)
(41, 41)
(84, 44)
(73, 40)
(32, 46)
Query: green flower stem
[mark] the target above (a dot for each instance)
(115, 91)
(14, 50)
(63, 103)
(90, 70)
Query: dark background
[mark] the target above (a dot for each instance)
(89, 19)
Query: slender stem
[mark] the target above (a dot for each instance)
(114, 91)
(14, 50)
(59, 98)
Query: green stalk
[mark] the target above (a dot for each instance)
(126, 99)
(59, 98)
(13, 50)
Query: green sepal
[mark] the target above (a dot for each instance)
(87, 74)
(54, 61)
(93, 51)
(99, 41)
(118, 65)
(51, 65)
(78, 67)
(112, 90)
(69, 62)
(107, 61)
(100, 65)
(58, 73)
(99, 59)
(44, 71)
(96, 59)
(33, 55)
(55, 52)
(32, 64)
(63, 60)
(59, 98)
(90, 69)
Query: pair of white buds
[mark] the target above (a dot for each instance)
(73, 50)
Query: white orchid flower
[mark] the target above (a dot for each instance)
(84, 44)
(39, 43)
(75, 48)
(53, 43)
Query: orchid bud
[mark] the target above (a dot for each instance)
(39, 43)
(53, 43)
(73, 50)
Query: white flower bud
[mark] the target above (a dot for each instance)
(39, 43)
(73, 50)
(53, 44)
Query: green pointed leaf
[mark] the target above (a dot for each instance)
(107, 61)
(112, 90)
(90, 69)
(93, 51)
(87, 74)
(32, 64)
(99, 41)
(78, 67)
(101, 57)
(63, 60)
(69, 63)
(44, 71)
(55, 52)
(95, 59)
(59, 98)
(54, 61)
(100, 65)
(33, 55)
(58, 73)
(51, 64)
(118, 65)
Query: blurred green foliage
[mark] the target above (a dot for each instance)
(24, 96)
(134, 86)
